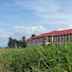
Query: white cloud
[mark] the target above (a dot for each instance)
(39, 6)
(60, 22)
(30, 29)
(69, 27)
(60, 10)
(60, 29)
(6, 34)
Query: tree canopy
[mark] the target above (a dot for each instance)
(14, 43)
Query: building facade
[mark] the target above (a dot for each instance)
(62, 36)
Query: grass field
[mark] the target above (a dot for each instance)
(52, 58)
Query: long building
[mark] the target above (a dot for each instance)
(61, 36)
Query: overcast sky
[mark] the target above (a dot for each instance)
(24, 17)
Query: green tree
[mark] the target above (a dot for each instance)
(14, 43)
(11, 43)
(23, 42)
(18, 44)
(33, 35)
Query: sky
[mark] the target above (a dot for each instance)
(25, 17)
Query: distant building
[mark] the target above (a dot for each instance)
(61, 36)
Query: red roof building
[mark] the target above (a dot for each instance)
(55, 36)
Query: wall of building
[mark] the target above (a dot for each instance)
(52, 39)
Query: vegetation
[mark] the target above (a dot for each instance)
(13, 43)
(52, 58)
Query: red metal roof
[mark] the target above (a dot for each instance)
(61, 32)
(33, 37)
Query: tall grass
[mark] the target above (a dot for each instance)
(51, 58)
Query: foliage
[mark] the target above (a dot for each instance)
(13, 43)
(33, 35)
(51, 58)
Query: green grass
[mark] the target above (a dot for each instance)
(52, 58)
